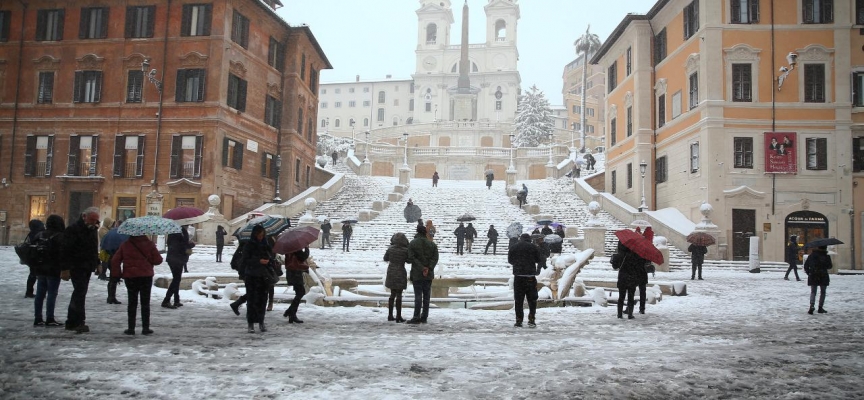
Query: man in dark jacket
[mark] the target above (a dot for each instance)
(470, 235)
(697, 257)
(423, 257)
(527, 262)
(177, 257)
(816, 267)
(80, 258)
(492, 234)
(792, 257)
(325, 234)
(460, 233)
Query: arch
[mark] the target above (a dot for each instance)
(323, 122)
(395, 121)
(500, 30)
(431, 33)
(444, 141)
(486, 141)
(382, 97)
(474, 67)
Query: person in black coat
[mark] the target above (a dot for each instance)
(626, 263)
(546, 230)
(47, 271)
(697, 257)
(80, 255)
(435, 178)
(527, 260)
(325, 234)
(470, 235)
(256, 260)
(492, 234)
(489, 178)
(36, 226)
(460, 238)
(792, 257)
(179, 248)
(816, 267)
(295, 267)
(220, 242)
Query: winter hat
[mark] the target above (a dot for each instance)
(525, 237)
(421, 229)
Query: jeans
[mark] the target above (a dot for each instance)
(494, 244)
(76, 315)
(422, 291)
(174, 287)
(346, 240)
(46, 285)
(642, 297)
(695, 268)
(793, 266)
(31, 282)
(468, 244)
(525, 287)
(325, 238)
(135, 288)
(821, 295)
(256, 295)
(460, 245)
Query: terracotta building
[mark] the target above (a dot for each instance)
(109, 104)
(595, 92)
(751, 106)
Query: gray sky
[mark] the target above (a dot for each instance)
(373, 38)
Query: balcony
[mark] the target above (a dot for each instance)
(41, 168)
(131, 170)
(188, 170)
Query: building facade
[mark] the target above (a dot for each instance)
(112, 105)
(595, 93)
(746, 105)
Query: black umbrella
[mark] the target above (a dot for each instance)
(822, 242)
(349, 221)
(466, 218)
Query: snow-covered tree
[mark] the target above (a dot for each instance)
(328, 143)
(534, 121)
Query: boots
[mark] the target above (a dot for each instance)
(167, 304)
(531, 323)
(262, 327)
(235, 306)
(390, 310)
(399, 318)
(810, 311)
(822, 311)
(251, 328)
(518, 323)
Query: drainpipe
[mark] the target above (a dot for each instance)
(773, 113)
(654, 127)
(277, 198)
(17, 89)
(161, 97)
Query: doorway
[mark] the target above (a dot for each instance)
(807, 226)
(743, 226)
(78, 202)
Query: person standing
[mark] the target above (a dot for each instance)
(347, 231)
(256, 261)
(642, 273)
(589, 161)
(489, 177)
(435, 179)
(47, 271)
(220, 242)
(816, 267)
(335, 156)
(106, 226)
(522, 195)
(423, 256)
(36, 226)
(80, 255)
(460, 238)
(179, 248)
(792, 257)
(470, 235)
(626, 263)
(110, 247)
(492, 234)
(397, 278)
(134, 262)
(527, 261)
(697, 257)
(295, 267)
(325, 234)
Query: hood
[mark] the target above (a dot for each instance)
(399, 239)
(108, 222)
(55, 223)
(36, 225)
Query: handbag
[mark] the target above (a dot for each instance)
(24, 251)
(272, 277)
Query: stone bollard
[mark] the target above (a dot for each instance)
(394, 197)
(380, 205)
(531, 208)
(595, 238)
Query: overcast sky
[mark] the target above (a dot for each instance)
(374, 38)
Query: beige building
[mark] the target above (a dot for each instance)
(594, 105)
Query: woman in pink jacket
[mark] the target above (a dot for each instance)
(134, 262)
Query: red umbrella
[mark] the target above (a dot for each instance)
(639, 245)
(186, 215)
(295, 239)
(701, 239)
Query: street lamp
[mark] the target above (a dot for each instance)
(278, 199)
(327, 126)
(512, 167)
(351, 122)
(405, 160)
(550, 149)
(643, 167)
(366, 157)
(436, 113)
(154, 199)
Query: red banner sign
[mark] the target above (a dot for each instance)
(780, 153)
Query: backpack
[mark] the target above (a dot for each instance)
(35, 252)
(23, 251)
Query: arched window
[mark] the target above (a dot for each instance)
(365, 121)
(323, 123)
(500, 30)
(381, 97)
(431, 33)
(395, 121)
(337, 123)
(380, 115)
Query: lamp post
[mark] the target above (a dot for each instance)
(366, 157)
(511, 167)
(643, 167)
(278, 199)
(351, 122)
(327, 126)
(405, 159)
(550, 150)
(436, 113)
(154, 199)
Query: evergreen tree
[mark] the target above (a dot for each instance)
(327, 143)
(534, 121)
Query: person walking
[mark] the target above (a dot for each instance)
(492, 234)
(626, 263)
(295, 267)
(335, 156)
(220, 242)
(522, 195)
(109, 248)
(347, 231)
(179, 249)
(589, 162)
(36, 226)
(792, 257)
(460, 238)
(325, 234)
(435, 179)
(430, 230)
(104, 267)
(470, 235)
(256, 262)
(238, 265)
(80, 255)
(489, 177)
(134, 262)
(527, 260)
(816, 267)
(397, 278)
(423, 256)
(697, 257)
(47, 271)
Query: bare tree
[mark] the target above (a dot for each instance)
(586, 45)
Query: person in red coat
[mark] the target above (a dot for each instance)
(134, 262)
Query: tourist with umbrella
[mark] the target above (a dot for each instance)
(634, 251)
(256, 261)
(816, 267)
(513, 232)
(179, 249)
(412, 212)
(698, 248)
(109, 244)
(134, 261)
(489, 177)
(294, 244)
(460, 238)
(273, 225)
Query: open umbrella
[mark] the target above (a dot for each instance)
(543, 222)
(186, 215)
(553, 238)
(489, 172)
(640, 223)
(639, 245)
(112, 240)
(273, 225)
(412, 213)
(349, 221)
(514, 230)
(148, 225)
(822, 242)
(553, 225)
(465, 218)
(701, 239)
(295, 239)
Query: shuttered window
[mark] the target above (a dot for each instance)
(817, 154)
(5, 21)
(613, 131)
(661, 111)
(49, 25)
(691, 19)
(745, 11)
(612, 76)
(661, 170)
(694, 90)
(276, 55)
(134, 85)
(660, 46)
(814, 83)
(46, 88)
(240, 30)
(140, 21)
(743, 152)
(273, 112)
(236, 98)
(93, 23)
(742, 82)
(128, 156)
(190, 85)
(196, 20)
(232, 154)
(88, 86)
(817, 11)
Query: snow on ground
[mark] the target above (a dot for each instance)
(737, 335)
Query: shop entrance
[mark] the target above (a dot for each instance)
(808, 226)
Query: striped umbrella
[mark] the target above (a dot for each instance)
(148, 225)
(273, 225)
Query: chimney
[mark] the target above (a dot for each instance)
(357, 79)
(389, 76)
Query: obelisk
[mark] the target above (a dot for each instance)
(463, 96)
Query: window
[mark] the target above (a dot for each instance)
(272, 112)
(380, 115)
(742, 82)
(232, 154)
(694, 90)
(691, 19)
(46, 88)
(190, 85)
(629, 121)
(337, 123)
(365, 90)
(817, 154)
(745, 11)
(614, 181)
(129, 156)
(428, 107)
(236, 93)
(590, 129)
(859, 12)
(310, 129)
(134, 85)
(337, 104)
(629, 175)
(276, 55)
(297, 171)
(323, 104)
(88, 86)
(140, 21)
(590, 112)
(268, 167)
(240, 30)
(196, 20)
(49, 25)
(308, 175)
(93, 23)
(661, 170)
(300, 121)
(5, 20)
(743, 152)
(351, 90)
(82, 155)
(337, 91)
(186, 155)
(661, 111)
(396, 102)
(814, 83)
(858, 154)
(366, 103)
(411, 105)
(498, 105)
(313, 79)
(381, 97)
(576, 109)
(38, 156)
(694, 157)
(612, 76)
(676, 104)
(613, 131)
(817, 11)
(365, 121)
(858, 89)
(303, 70)
(660, 47)
(629, 60)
